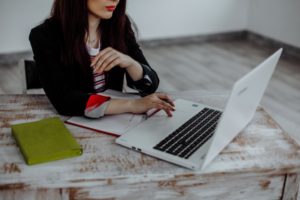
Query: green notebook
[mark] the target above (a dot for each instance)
(45, 140)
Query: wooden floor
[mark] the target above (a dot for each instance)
(213, 66)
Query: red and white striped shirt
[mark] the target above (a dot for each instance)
(96, 104)
(99, 78)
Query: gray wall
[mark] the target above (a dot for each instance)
(168, 18)
(277, 19)
(16, 19)
(173, 18)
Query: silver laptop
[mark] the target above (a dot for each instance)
(197, 133)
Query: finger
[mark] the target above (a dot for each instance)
(167, 105)
(103, 62)
(102, 56)
(114, 63)
(109, 61)
(169, 100)
(157, 100)
(162, 106)
(166, 109)
(166, 98)
(168, 112)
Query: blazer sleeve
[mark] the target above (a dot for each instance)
(150, 81)
(65, 99)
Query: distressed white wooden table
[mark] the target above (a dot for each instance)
(263, 162)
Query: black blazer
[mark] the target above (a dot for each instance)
(65, 86)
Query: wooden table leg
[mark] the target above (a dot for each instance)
(291, 187)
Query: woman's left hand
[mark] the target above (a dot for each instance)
(108, 58)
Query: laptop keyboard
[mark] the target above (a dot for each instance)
(189, 137)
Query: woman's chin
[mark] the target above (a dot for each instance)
(106, 15)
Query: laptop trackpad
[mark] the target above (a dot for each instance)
(158, 127)
(166, 125)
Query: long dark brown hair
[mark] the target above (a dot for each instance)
(72, 16)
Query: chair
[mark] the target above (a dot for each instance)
(31, 82)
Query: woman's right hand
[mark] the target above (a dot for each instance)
(155, 100)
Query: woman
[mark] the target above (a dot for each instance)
(87, 46)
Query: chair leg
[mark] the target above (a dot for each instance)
(21, 66)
